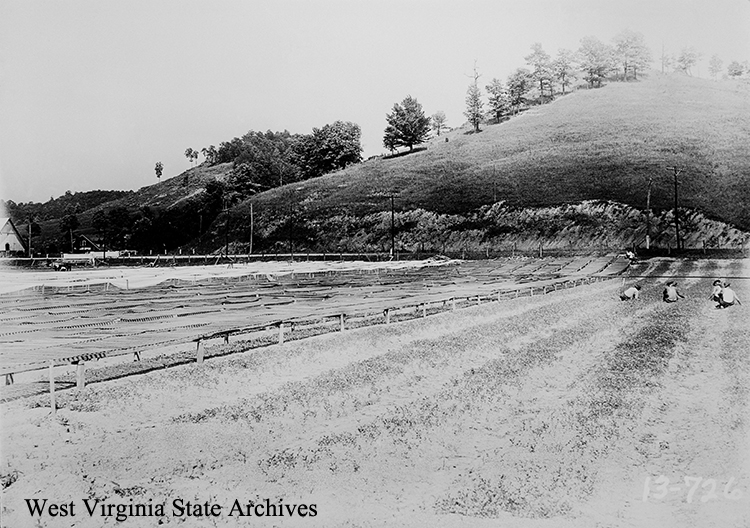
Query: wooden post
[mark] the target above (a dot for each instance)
(52, 387)
(200, 351)
(341, 317)
(81, 375)
(9, 378)
(226, 338)
(531, 290)
(281, 333)
(387, 313)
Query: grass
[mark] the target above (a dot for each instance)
(594, 144)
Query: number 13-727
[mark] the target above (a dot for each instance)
(660, 488)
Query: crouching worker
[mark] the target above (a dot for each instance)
(631, 293)
(727, 297)
(716, 292)
(671, 294)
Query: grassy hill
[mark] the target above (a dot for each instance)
(599, 145)
(592, 146)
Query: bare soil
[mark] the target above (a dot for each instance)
(546, 411)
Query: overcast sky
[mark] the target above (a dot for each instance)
(94, 93)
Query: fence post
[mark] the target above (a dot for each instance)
(200, 351)
(226, 338)
(341, 317)
(387, 312)
(281, 333)
(9, 378)
(52, 386)
(531, 290)
(81, 375)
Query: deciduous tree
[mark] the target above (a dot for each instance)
(159, 170)
(687, 59)
(407, 124)
(330, 148)
(541, 69)
(715, 65)
(563, 68)
(595, 60)
(191, 155)
(631, 53)
(735, 69)
(438, 121)
(498, 99)
(519, 84)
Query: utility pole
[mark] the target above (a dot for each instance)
(393, 230)
(676, 172)
(30, 253)
(251, 227)
(226, 228)
(648, 213)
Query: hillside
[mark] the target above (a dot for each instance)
(592, 144)
(600, 145)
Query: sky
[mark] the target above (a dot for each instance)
(93, 93)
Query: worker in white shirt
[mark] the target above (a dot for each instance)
(728, 297)
(631, 293)
(716, 292)
(671, 294)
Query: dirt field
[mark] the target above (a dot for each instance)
(562, 410)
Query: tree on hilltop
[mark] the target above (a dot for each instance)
(330, 148)
(437, 121)
(191, 155)
(631, 53)
(736, 69)
(519, 84)
(407, 125)
(715, 65)
(541, 69)
(498, 99)
(474, 105)
(563, 69)
(596, 61)
(159, 170)
(687, 59)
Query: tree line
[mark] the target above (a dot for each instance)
(544, 78)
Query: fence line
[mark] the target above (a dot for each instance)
(306, 322)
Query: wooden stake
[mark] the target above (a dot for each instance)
(387, 316)
(52, 387)
(281, 333)
(200, 351)
(341, 316)
(81, 375)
